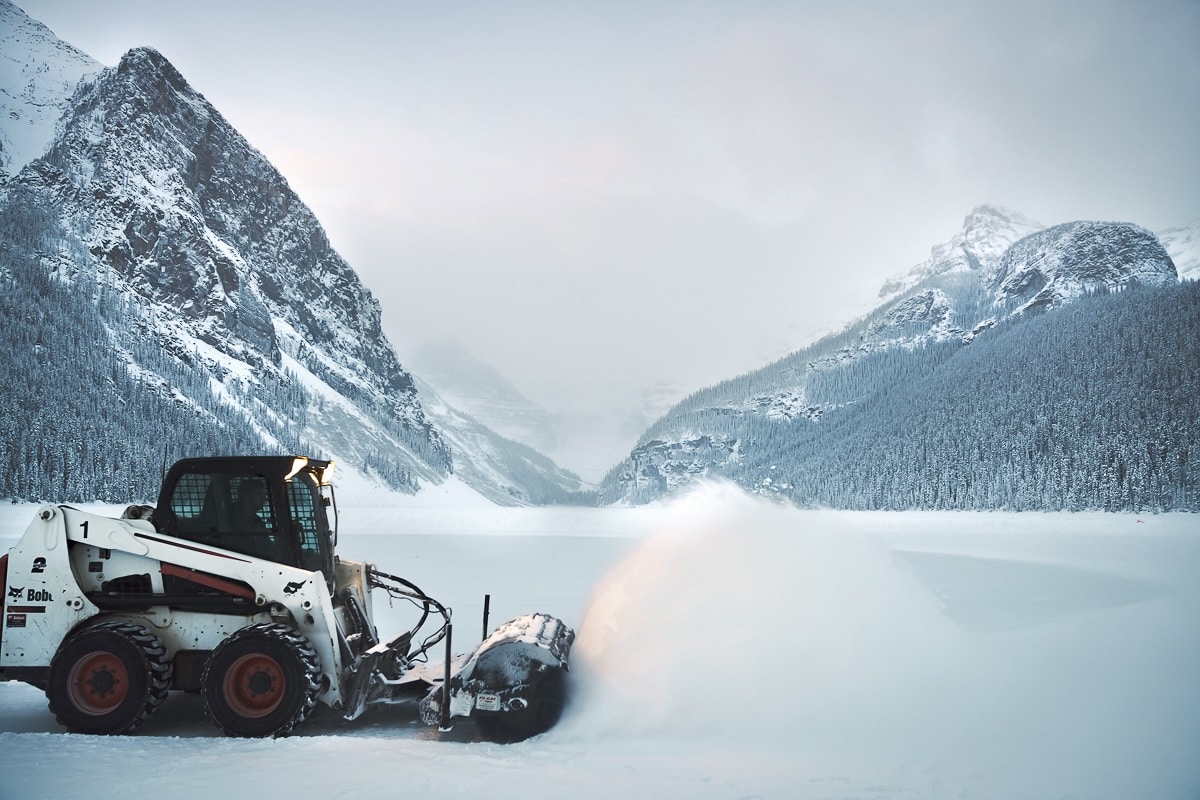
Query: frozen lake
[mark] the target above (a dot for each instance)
(730, 648)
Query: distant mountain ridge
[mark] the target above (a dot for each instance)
(512, 472)
(477, 389)
(811, 425)
(216, 290)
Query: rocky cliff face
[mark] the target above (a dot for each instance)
(660, 466)
(1053, 266)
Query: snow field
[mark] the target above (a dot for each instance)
(733, 648)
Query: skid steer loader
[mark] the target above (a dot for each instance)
(230, 587)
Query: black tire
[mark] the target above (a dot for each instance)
(261, 681)
(108, 679)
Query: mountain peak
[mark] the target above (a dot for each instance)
(989, 214)
(148, 61)
(1019, 351)
(986, 233)
(145, 55)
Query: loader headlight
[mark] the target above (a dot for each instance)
(298, 463)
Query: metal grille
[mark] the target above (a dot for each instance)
(190, 492)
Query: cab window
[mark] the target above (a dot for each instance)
(309, 523)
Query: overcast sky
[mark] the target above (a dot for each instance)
(594, 197)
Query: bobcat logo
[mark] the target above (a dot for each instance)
(14, 593)
(294, 587)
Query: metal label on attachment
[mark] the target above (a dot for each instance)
(487, 702)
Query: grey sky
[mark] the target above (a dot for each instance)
(595, 197)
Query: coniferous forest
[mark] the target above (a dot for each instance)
(1093, 406)
(76, 422)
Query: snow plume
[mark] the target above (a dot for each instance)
(827, 638)
(732, 619)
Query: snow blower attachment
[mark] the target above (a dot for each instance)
(234, 591)
(513, 683)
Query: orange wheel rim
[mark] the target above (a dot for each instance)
(254, 685)
(98, 683)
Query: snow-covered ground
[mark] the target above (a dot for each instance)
(731, 648)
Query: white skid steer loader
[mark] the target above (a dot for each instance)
(230, 587)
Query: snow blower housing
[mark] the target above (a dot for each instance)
(231, 587)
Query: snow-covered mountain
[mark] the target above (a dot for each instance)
(987, 232)
(198, 255)
(34, 92)
(1057, 265)
(813, 425)
(504, 471)
(589, 437)
(1183, 244)
(478, 390)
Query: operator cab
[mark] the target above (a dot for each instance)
(268, 507)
